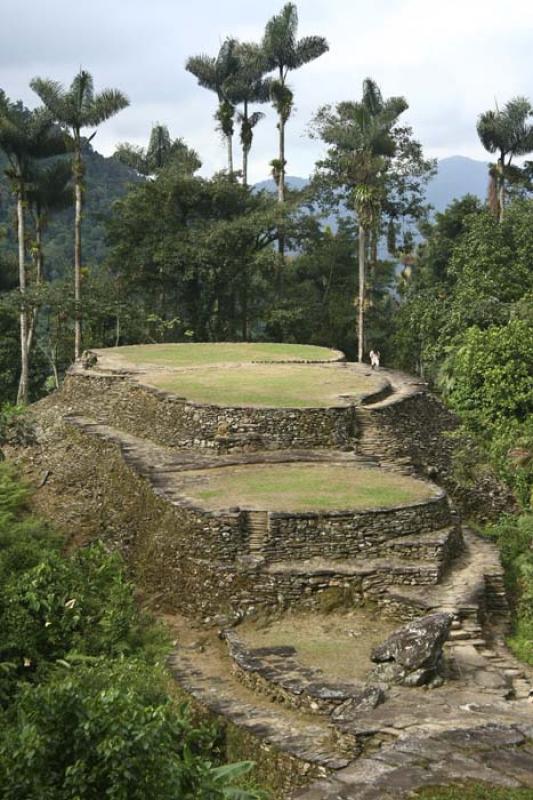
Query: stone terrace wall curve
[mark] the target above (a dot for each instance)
(176, 422)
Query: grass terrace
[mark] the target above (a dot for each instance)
(301, 487)
(201, 353)
(338, 643)
(247, 375)
(269, 385)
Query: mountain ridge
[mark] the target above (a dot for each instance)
(456, 176)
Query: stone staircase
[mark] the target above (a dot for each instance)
(376, 442)
(257, 530)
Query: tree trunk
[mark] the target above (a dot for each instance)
(501, 199)
(77, 257)
(281, 179)
(245, 147)
(22, 395)
(281, 189)
(229, 140)
(245, 166)
(374, 251)
(361, 304)
(38, 261)
(501, 190)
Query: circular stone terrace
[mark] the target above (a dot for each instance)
(242, 375)
(301, 487)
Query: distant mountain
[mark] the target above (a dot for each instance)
(290, 180)
(456, 177)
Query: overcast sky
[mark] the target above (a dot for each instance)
(451, 60)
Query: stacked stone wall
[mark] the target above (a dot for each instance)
(175, 422)
(415, 431)
(339, 535)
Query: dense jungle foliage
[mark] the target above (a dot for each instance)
(86, 708)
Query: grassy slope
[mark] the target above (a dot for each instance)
(303, 487)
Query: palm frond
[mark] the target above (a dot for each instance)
(52, 94)
(308, 48)
(104, 105)
(203, 67)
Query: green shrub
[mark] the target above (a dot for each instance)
(24, 540)
(108, 730)
(515, 540)
(68, 606)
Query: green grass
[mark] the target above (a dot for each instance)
(473, 791)
(191, 354)
(339, 643)
(273, 385)
(301, 487)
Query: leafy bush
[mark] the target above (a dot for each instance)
(514, 536)
(493, 374)
(24, 540)
(108, 730)
(84, 711)
(68, 606)
(15, 425)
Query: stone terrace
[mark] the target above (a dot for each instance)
(129, 445)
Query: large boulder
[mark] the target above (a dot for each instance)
(412, 655)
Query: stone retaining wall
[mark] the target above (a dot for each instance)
(304, 587)
(412, 429)
(193, 562)
(348, 534)
(175, 422)
(275, 673)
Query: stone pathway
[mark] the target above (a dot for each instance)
(493, 753)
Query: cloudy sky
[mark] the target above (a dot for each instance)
(451, 60)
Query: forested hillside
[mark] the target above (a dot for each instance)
(107, 180)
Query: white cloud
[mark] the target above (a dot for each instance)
(451, 60)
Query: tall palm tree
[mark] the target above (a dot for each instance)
(160, 152)
(25, 136)
(361, 144)
(509, 133)
(248, 85)
(76, 108)
(216, 74)
(284, 52)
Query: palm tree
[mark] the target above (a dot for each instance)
(509, 133)
(361, 144)
(25, 136)
(160, 152)
(247, 86)
(76, 108)
(216, 74)
(284, 52)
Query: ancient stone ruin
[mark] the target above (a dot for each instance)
(139, 466)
